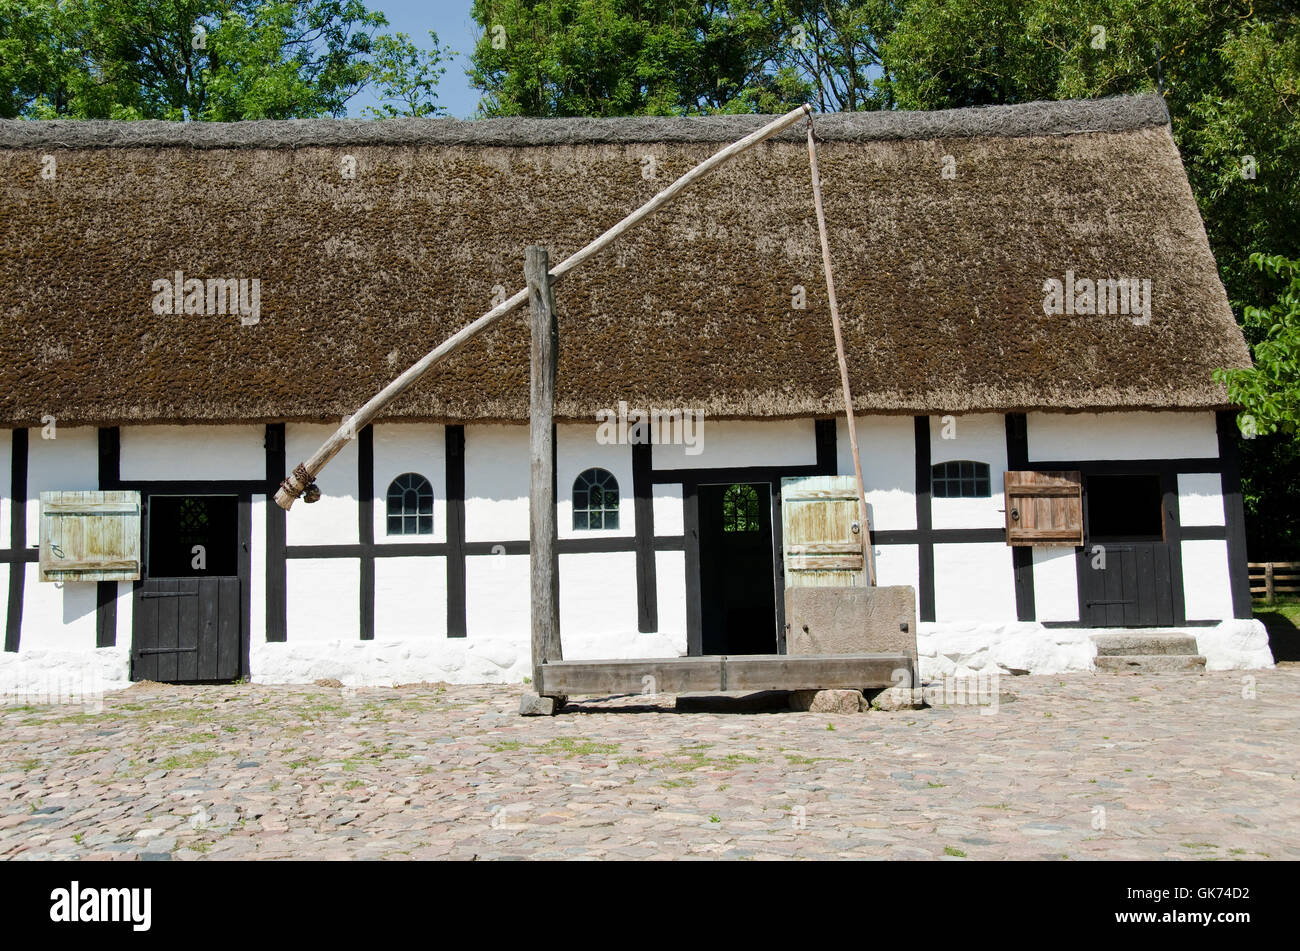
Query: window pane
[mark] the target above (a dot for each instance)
(426, 524)
(394, 524)
(579, 499)
(611, 519)
(579, 519)
(426, 504)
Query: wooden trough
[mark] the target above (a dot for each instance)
(721, 673)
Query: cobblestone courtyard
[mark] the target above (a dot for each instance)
(1082, 767)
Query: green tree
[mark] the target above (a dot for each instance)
(406, 77)
(184, 59)
(630, 57)
(837, 49)
(1269, 392)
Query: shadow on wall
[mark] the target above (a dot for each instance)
(79, 599)
(1283, 635)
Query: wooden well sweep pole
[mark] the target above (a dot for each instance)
(544, 557)
(839, 353)
(306, 472)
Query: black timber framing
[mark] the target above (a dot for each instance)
(110, 473)
(17, 538)
(1022, 556)
(1234, 513)
(924, 522)
(647, 582)
(366, 529)
(454, 440)
(518, 546)
(277, 613)
(1174, 539)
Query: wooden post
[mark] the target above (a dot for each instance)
(1268, 581)
(544, 557)
(305, 472)
(863, 519)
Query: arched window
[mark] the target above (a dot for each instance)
(740, 509)
(410, 505)
(960, 479)
(595, 500)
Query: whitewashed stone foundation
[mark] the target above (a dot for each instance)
(965, 649)
(32, 674)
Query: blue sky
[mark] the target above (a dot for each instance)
(451, 20)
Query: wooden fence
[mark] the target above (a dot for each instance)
(1268, 579)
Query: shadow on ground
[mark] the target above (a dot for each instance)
(764, 701)
(1283, 635)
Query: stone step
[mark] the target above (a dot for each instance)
(1150, 663)
(1144, 643)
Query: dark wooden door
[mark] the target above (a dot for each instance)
(1131, 586)
(1128, 570)
(188, 607)
(186, 629)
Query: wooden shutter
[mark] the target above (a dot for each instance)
(821, 549)
(1044, 508)
(90, 536)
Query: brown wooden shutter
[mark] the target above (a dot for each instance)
(818, 514)
(1044, 508)
(90, 536)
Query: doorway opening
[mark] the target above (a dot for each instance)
(187, 618)
(1127, 568)
(737, 580)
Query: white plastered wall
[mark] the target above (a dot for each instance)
(56, 651)
(1147, 435)
(978, 438)
(58, 616)
(333, 519)
(410, 447)
(192, 453)
(729, 443)
(887, 449)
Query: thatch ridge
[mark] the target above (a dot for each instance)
(1116, 114)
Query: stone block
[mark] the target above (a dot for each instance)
(860, 620)
(532, 705)
(897, 699)
(828, 701)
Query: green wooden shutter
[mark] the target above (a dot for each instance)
(821, 548)
(90, 536)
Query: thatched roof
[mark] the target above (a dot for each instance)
(940, 278)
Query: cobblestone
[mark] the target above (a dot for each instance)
(1108, 766)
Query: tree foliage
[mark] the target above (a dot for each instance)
(1269, 392)
(218, 60)
(407, 77)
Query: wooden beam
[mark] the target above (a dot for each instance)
(302, 476)
(863, 519)
(719, 673)
(543, 535)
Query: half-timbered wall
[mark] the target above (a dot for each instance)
(331, 593)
